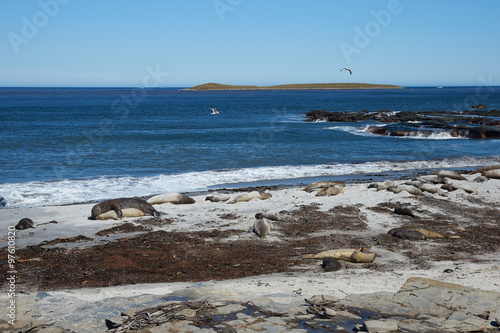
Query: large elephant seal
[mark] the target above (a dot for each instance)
(487, 168)
(126, 212)
(251, 195)
(322, 184)
(25, 223)
(449, 174)
(331, 190)
(174, 198)
(495, 173)
(118, 204)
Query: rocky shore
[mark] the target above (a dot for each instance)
(202, 267)
(473, 124)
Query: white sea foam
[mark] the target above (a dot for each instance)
(32, 194)
(350, 129)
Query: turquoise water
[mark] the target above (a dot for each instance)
(63, 145)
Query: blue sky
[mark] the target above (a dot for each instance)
(262, 42)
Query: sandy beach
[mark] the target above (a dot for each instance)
(208, 249)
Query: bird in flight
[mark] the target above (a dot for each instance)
(214, 111)
(347, 70)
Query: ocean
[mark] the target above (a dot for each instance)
(68, 145)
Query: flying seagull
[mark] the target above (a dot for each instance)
(347, 70)
(214, 111)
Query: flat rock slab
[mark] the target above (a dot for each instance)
(446, 307)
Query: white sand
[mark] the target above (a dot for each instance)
(74, 220)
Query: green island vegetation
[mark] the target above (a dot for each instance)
(218, 86)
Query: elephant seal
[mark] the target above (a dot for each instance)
(25, 223)
(449, 174)
(487, 168)
(331, 190)
(403, 211)
(217, 197)
(268, 216)
(408, 188)
(126, 212)
(322, 184)
(118, 204)
(430, 188)
(386, 184)
(352, 255)
(409, 234)
(261, 228)
(174, 198)
(434, 179)
(331, 265)
(251, 195)
(425, 232)
(491, 173)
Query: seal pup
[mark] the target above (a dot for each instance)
(331, 190)
(386, 184)
(261, 228)
(174, 198)
(409, 234)
(403, 211)
(118, 204)
(352, 255)
(266, 215)
(25, 223)
(486, 168)
(251, 195)
(331, 265)
(322, 184)
(217, 197)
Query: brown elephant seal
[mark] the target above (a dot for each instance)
(251, 195)
(118, 204)
(217, 197)
(430, 188)
(261, 228)
(331, 190)
(403, 211)
(126, 212)
(352, 255)
(425, 232)
(449, 174)
(25, 223)
(408, 188)
(486, 168)
(322, 184)
(491, 173)
(173, 198)
(331, 265)
(386, 184)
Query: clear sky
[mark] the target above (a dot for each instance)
(136, 43)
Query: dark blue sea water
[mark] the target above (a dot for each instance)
(63, 145)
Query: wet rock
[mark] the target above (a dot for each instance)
(331, 265)
(381, 326)
(403, 211)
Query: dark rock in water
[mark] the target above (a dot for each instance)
(2, 202)
(409, 234)
(403, 211)
(484, 133)
(25, 223)
(331, 265)
(479, 106)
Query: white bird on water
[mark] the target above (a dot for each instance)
(347, 70)
(214, 111)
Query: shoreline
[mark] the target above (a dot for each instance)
(207, 249)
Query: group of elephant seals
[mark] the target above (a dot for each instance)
(174, 198)
(25, 223)
(117, 205)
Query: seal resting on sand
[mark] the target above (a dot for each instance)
(174, 198)
(331, 190)
(449, 174)
(217, 197)
(118, 204)
(352, 255)
(491, 173)
(25, 223)
(126, 212)
(322, 184)
(251, 195)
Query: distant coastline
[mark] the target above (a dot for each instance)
(299, 86)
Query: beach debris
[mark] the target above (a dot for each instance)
(491, 173)
(173, 198)
(449, 174)
(251, 195)
(486, 168)
(352, 255)
(215, 197)
(126, 212)
(265, 215)
(331, 265)
(175, 310)
(331, 190)
(261, 228)
(403, 211)
(25, 223)
(321, 185)
(345, 69)
(427, 233)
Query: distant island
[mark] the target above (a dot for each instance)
(218, 86)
